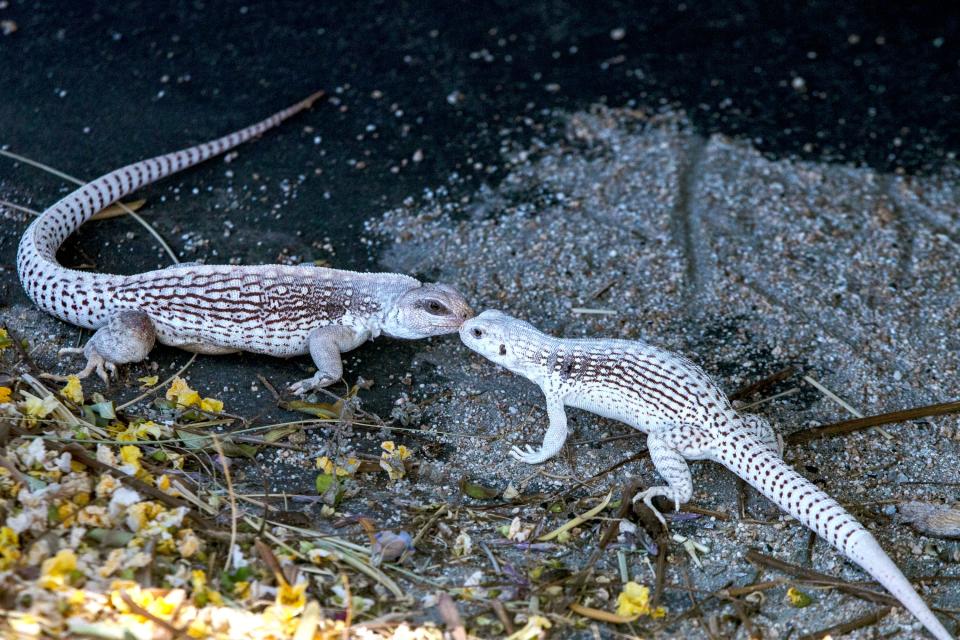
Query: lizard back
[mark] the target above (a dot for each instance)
(84, 298)
(637, 383)
(262, 309)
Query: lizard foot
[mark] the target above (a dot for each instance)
(95, 362)
(528, 455)
(305, 386)
(651, 493)
(128, 336)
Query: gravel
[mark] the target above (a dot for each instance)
(634, 227)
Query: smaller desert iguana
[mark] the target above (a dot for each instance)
(686, 417)
(214, 309)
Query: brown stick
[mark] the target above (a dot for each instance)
(756, 557)
(451, 616)
(759, 385)
(663, 542)
(858, 424)
(847, 627)
(177, 633)
(739, 592)
(501, 612)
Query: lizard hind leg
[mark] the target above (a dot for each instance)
(762, 430)
(127, 337)
(672, 466)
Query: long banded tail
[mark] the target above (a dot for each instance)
(767, 472)
(45, 280)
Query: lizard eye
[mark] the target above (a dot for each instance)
(436, 308)
(503, 349)
(477, 333)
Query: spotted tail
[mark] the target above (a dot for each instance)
(767, 472)
(53, 287)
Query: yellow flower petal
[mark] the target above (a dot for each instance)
(181, 393)
(148, 381)
(533, 629)
(634, 600)
(73, 390)
(198, 629)
(326, 464)
(34, 407)
(212, 405)
(131, 455)
(292, 595)
(5, 395)
(9, 548)
(188, 544)
(798, 598)
(55, 571)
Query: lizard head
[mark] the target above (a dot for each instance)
(505, 340)
(427, 310)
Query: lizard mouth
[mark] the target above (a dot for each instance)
(465, 314)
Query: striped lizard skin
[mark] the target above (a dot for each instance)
(214, 309)
(686, 417)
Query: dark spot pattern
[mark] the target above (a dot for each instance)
(686, 416)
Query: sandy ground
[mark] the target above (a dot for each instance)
(631, 226)
(744, 264)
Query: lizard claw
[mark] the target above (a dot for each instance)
(305, 386)
(95, 362)
(648, 496)
(527, 454)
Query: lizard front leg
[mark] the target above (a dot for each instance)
(554, 438)
(128, 336)
(671, 464)
(326, 344)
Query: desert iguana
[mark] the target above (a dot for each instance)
(686, 417)
(214, 309)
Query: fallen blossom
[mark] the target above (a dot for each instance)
(144, 429)
(188, 544)
(181, 393)
(73, 390)
(634, 600)
(211, 405)
(34, 408)
(121, 498)
(56, 571)
(535, 626)
(391, 460)
(148, 381)
(202, 594)
(9, 548)
(345, 467)
(130, 455)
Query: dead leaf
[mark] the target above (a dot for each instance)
(601, 615)
(115, 210)
(477, 491)
(318, 409)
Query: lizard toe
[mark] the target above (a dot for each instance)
(305, 386)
